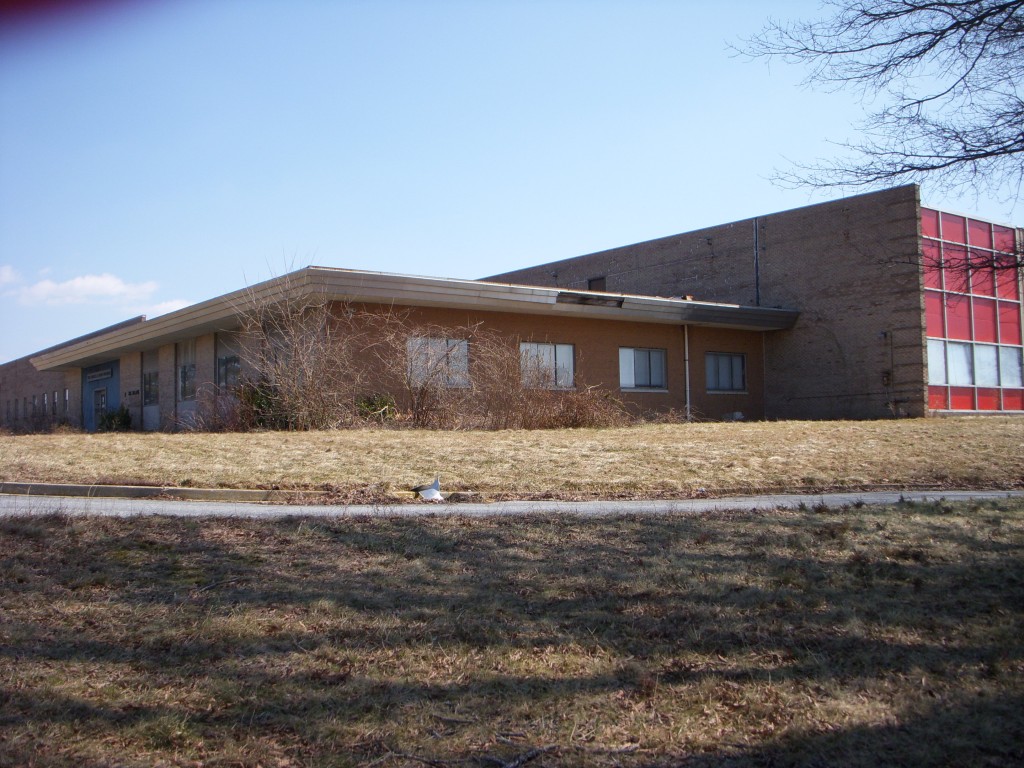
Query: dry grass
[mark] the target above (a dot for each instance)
(645, 460)
(855, 637)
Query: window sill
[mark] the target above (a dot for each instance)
(728, 392)
(656, 390)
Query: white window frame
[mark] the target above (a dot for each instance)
(544, 365)
(713, 372)
(434, 361)
(632, 366)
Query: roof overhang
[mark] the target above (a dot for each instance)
(224, 312)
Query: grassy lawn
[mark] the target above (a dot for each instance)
(643, 461)
(859, 637)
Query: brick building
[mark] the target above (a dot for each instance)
(861, 271)
(653, 352)
(871, 306)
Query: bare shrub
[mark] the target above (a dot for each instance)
(468, 377)
(426, 366)
(303, 351)
(318, 364)
(219, 410)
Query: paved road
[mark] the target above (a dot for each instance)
(38, 505)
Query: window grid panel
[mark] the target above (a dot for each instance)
(973, 320)
(725, 372)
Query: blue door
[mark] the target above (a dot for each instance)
(101, 393)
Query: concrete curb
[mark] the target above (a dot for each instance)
(148, 492)
(29, 499)
(250, 496)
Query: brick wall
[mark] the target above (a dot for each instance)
(850, 267)
(20, 382)
(597, 344)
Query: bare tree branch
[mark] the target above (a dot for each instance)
(947, 74)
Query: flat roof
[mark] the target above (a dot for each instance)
(367, 287)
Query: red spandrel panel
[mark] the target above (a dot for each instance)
(938, 398)
(1009, 322)
(980, 233)
(961, 398)
(1005, 239)
(983, 278)
(929, 222)
(1013, 399)
(988, 400)
(1007, 277)
(954, 228)
(958, 317)
(931, 259)
(956, 265)
(933, 315)
(985, 320)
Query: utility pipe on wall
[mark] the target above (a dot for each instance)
(686, 367)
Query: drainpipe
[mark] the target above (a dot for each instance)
(757, 265)
(686, 368)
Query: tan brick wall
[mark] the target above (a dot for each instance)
(167, 386)
(597, 344)
(20, 381)
(206, 367)
(849, 266)
(131, 386)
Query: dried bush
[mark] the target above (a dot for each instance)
(482, 385)
(303, 351)
(313, 361)
(378, 407)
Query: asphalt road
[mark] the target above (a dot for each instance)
(23, 505)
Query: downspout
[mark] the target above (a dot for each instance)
(686, 368)
(757, 265)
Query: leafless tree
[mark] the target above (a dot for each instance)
(947, 77)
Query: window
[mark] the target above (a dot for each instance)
(547, 366)
(54, 404)
(46, 404)
(228, 372)
(986, 365)
(186, 370)
(972, 315)
(936, 361)
(959, 364)
(67, 398)
(229, 366)
(438, 362)
(726, 371)
(642, 368)
(1010, 369)
(151, 388)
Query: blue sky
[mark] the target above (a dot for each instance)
(155, 154)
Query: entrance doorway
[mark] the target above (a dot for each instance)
(99, 405)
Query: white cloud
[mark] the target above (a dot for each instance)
(105, 288)
(8, 275)
(155, 310)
